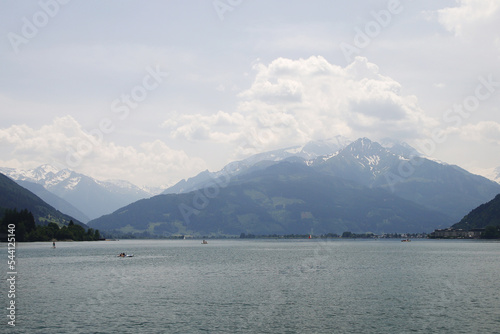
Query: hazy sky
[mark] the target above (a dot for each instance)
(156, 91)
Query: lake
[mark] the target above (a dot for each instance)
(256, 286)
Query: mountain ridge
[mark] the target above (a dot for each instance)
(439, 192)
(14, 196)
(87, 195)
(487, 214)
(286, 197)
(308, 151)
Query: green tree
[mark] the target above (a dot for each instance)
(23, 221)
(52, 230)
(491, 232)
(64, 234)
(347, 234)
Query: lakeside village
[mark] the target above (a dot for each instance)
(448, 233)
(27, 230)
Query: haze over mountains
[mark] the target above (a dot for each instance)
(324, 187)
(362, 186)
(79, 195)
(309, 151)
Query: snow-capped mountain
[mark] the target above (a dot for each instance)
(363, 161)
(309, 151)
(92, 197)
(391, 165)
(400, 170)
(36, 175)
(364, 186)
(54, 200)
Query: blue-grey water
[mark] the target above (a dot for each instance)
(257, 286)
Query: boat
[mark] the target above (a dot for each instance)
(405, 240)
(126, 255)
(204, 242)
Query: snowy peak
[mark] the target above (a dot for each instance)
(92, 197)
(363, 161)
(308, 152)
(365, 152)
(42, 172)
(364, 145)
(371, 153)
(46, 175)
(32, 175)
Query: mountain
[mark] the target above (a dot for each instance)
(54, 200)
(13, 196)
(362, 180)
(309, 151)
(487, 214)
(399, 169)
(285, 197)
(92, 197)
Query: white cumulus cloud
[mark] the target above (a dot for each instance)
(468, 14)
(294, 101)
(65, 144)
(482, 132)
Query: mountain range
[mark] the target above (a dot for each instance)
(308, 151)
(76, 194)
(13, 196)
(360, 186)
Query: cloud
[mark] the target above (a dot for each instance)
(468, 14)
(293, 101)
(481, 132)
(65, 144)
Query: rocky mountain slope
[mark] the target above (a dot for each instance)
(362, 187)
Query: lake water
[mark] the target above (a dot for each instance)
(256, 286)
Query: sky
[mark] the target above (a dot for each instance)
(156, 91)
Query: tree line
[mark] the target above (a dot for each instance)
(27, 230)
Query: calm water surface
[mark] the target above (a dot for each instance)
(257, 286)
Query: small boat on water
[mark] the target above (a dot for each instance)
(204, 242)
(125, 255)
(405, 240)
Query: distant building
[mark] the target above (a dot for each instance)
(451, 233)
